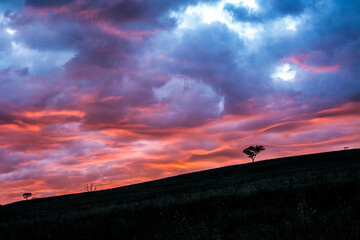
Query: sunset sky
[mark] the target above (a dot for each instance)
(117, 92)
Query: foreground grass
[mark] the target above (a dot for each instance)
(311, 197)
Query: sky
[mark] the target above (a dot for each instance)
(116, 92)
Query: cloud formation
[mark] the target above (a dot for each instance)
(119, 92)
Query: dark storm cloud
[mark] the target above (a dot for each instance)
(66, 36)
(330, 41)
(48, 3)
(153, 13)
(103, 51)
(211, 52)
(209, 45)
(338, 39)
(215, 54)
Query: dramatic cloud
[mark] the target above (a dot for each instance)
(118, 92)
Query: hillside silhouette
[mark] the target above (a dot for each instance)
(315, 196)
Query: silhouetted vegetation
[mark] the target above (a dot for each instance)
(253, 151)
(90, 188)
(27, 195)
(305, 197)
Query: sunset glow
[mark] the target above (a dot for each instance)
(120, 92)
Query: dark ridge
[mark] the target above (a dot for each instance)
(289, 168)
(315, 196)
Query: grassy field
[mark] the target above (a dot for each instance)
(313, 196)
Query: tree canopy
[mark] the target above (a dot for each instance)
(27, 195)
(253, 151)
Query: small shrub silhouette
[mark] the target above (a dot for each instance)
(90, 188)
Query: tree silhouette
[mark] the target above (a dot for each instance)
(90, 188)
(27, 195)
(253, 151)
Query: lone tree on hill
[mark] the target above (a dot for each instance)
(27, 195)
(253, 151)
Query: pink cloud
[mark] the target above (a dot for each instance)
(300, 59)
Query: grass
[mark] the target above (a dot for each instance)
(305, 197)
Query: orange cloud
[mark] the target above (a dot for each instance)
(46, 113)
(18, 126)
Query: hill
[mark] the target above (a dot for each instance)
(316, 196)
